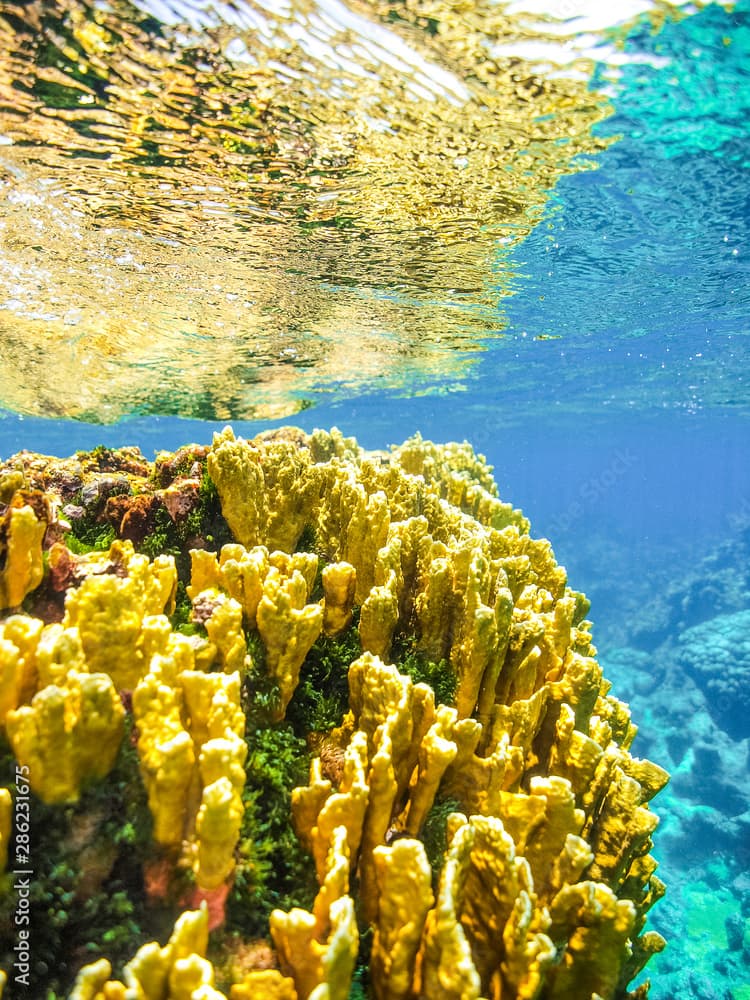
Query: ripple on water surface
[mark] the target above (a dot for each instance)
(205, 207)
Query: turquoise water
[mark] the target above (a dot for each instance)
(615, 407)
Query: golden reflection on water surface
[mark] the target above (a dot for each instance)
(222, 211)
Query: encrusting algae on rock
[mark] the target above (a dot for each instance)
(339, 709)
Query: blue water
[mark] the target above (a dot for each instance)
(624, 435)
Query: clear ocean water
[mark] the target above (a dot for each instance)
(608, 383)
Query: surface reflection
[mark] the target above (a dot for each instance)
(221, 211)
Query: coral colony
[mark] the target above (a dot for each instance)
(329, 723)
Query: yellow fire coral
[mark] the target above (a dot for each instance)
(271, 592)
(224, 629)
(191, 755)
(288, 627)
(318, 950)
(339, 585)
(69, 732)
(21, 535)
(19, 637)
(235, 468)
(318, 811)
(531, 848)
(404, 894)
(178, 970)
(112, 611)
(495, 605)
(213, 705)
(68, 735)
(6, 818)
(238, 571)
(472, 805)
(166, 755)
(267, 984)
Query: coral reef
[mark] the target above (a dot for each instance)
(693, 723)
(680, 589)
(351, 719)
(704, 837)
(716, 654)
